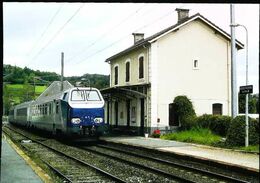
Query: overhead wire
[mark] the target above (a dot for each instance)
(104, 34)
(125, 36)
(56, 34)
(43, 33)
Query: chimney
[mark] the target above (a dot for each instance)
(138, 37)
(182, 14)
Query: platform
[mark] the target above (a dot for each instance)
(16, 167)
(225, 156)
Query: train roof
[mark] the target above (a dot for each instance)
(24, 104)
(54, 91)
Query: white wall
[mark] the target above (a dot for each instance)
(204, 86)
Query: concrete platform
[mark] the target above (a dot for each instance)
(226, 156)
(17, 167)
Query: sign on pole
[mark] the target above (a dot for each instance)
(246, 89)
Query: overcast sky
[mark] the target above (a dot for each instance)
(35, 34)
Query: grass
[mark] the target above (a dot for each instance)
(15, 86)
(17, 92)
(40, 89)
(205, 137)
(195, 135)
(251, 148)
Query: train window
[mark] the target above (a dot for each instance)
(50, 109)
(65, 97)
(22, 112)
(77, 95)
(57, 108)
(45, 109)
(92, 95)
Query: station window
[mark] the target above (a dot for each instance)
(195, 64)
(217, 109)
(141, 67)
(127, 71)
(116, 75)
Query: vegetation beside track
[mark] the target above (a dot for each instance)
(194, 135)
(205, 137)
(213, 130)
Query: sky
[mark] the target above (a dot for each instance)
(35, 34)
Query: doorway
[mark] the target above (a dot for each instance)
(173, 117)
(142, 116)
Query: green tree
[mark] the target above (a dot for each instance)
(252, 103)
(184, 111)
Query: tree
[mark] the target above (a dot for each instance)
(184, 111)
(252, 103)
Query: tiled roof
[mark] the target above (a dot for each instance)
(180, 23)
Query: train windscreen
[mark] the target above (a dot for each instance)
(85, 95)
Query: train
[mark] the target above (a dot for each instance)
(63, 109)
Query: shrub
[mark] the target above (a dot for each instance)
(217, 124)
(236, 132)
(188, 122)
(184, 111)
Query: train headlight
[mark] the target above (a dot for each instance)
(98, 120)
(75, 120)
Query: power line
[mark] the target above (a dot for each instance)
(56, 34)
(43, 33)
(123, 37)
(103, 35)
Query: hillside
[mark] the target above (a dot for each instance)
(24, 84)
(17, 75)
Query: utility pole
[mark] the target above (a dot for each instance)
(233, 64)
(246, 106)
(62, 66)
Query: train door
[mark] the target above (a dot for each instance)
(64, 107)
(56, 116)
(108, 113)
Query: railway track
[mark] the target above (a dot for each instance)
(156, 156)
(124, 172)
(161, 166)
(129, 165)
(69, 168)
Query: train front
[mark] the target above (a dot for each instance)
(86, 112)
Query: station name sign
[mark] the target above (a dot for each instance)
(246, 89)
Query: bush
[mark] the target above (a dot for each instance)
(236, 132)
(184, 111)
(217, 124)
(188, 122)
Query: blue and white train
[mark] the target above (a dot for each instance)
(73, 111)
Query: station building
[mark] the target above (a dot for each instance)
(192, 58)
